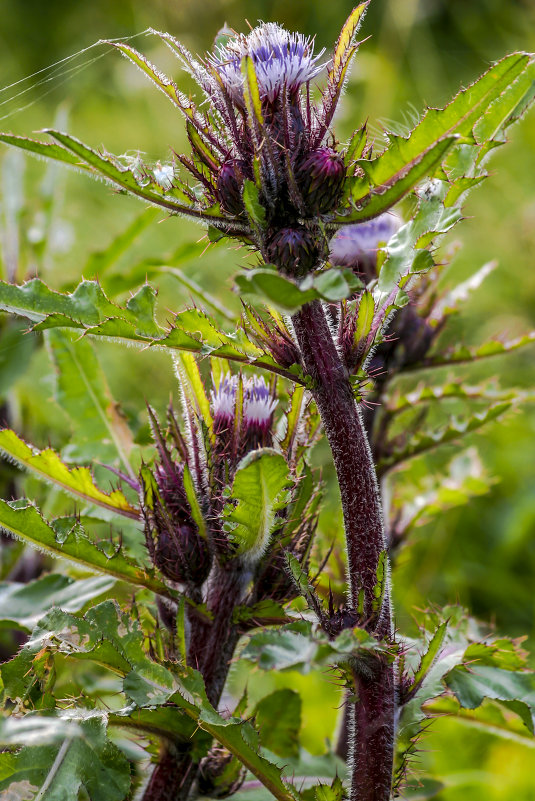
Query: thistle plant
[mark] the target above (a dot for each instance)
(341, 309)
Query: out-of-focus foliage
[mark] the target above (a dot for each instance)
(480, 553)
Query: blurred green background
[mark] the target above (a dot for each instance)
(420, 53)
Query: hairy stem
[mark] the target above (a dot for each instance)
(371, 748)
(211, 646)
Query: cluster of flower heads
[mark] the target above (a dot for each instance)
(242, 413)
(264, 140)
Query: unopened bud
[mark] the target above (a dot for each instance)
(230, 186)
(294, 250)
(320, 177)
(172, 536)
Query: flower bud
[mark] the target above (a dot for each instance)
(320, 177)
(294, 250)
(172, 537)
(230, 186)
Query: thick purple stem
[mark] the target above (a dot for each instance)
(371, 747)
(210, 650)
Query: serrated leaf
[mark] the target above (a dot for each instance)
(462, 354)
(429, 656)
(88, 310)
(406, 255)
(166, 722)
(456, 428)
(391, 177)
(472, 684)
(452, 390)
(289, 647)
(237, 736)
(278, 720)
(83, 757)
(22, 605)
(491, 97)
(77, 481)
(449, 303)
(257, 492)
(26, 523)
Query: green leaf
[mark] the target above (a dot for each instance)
(133, 178)
(365, 316)
(101, 260)
(287, 296)
(251, 201)
(406, 255)
(514, 690)
(429, 656)
(450, 302)
(82, 391)
(237, 736)
(471, 684)
(77, 481)
(22, 605)
(83, 758)
(88, 310)
(399, 402)
(278, 720)
(192, 387)
(492, 716)
(477, 113)
(24, 521)
(462, 354)
(46, 150)
(256, 496)
(428, 440)
(326, 792)
(274, 289)
(86, 306)
(289, 647)
(15, 352)
(104, 635)
(391, 176)
(463, 479)
(165, 721)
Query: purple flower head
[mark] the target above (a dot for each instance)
(224, 403)
(358, 243)
(258, 403)
(257, 415)
(282, 60)
(264, 158)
